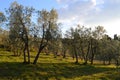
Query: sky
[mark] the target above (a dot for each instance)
(89, 13)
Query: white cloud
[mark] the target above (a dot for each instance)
(112, 27)
(65, 1)
(77, 10)
(90, 12)
(94, 2)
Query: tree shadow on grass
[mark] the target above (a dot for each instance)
(46, 71)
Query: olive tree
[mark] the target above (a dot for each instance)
(19, 18)
(46, 29)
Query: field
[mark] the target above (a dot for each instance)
(50, 68)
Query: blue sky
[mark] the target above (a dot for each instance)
(38, 4)
(84, 12)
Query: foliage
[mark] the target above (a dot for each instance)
(2, 17)
(44, 35)
(86, 45)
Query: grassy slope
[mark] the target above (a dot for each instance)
(49, 68)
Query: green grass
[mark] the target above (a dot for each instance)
(49, 68)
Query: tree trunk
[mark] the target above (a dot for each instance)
(25, 41)
(86, 57)
(83, 54)
(20, 53)
(117, 62)
(64, 54)
(73, 57)
(14, 52)
(55, 54)
(24, 55)
(109, 62)
(103, 62)
(37, 56)
(28, 52)
(76, 56)
(92, 58)
(93, 51)
(26, 48)
(17, 52)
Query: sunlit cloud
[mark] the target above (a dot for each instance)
(90, 12)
